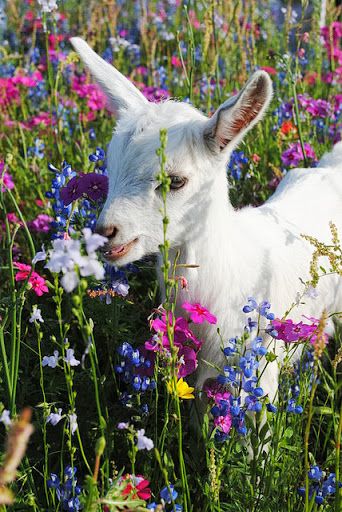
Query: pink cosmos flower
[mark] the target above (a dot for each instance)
(199, 314)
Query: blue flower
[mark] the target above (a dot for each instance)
(235, 405)
(231, 347)
(248, 364)
(257, 348)
(231, 376)
(251, 306)
(54, 481)
(315, 473)
(167, 495)
(271, 408)
(292, 407)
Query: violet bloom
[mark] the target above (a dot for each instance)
(72, 191)
(95, 185)
(294, 154)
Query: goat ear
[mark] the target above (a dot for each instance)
(240, 113)
(120, 92)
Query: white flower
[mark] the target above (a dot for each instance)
(5, 418)
(65, 256)
(93, 240)
(54, 417)
(144, 443)
(92, 267)
(40, 256)
(69, 281)
(51, 361)
(48, 5)
(36, 315)
(70, 358)
(73, 423)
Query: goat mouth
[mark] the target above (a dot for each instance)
(116, 252)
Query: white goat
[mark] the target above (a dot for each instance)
(253, 251)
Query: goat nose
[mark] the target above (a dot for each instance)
(109, 231)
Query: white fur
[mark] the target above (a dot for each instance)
(251, 252)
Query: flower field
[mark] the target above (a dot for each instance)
(100, 407)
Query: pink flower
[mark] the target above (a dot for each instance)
(37, 282)
(199, 314)
(224, 423)
(5, 178)
(176, 62)
(290, 332)
(41, 224)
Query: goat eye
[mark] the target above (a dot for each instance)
(177, 182)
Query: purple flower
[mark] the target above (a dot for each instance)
(294, 154)
(72, 191)
(41, 224)
(95, 185)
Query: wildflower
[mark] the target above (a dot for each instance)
(40, 256)
(199, 314)
(41, 224)
(168, 494)
(137, 486)
(224, 423)
(93, 241)
(72, 191)
(315, 473)
(73, 423)
(36, 315)
(248, 364)
(294, 154)
(95, 185)
(231, 348)
(271, 408)
(51, 361)
(5, 418)
(54, 417)
(6, 180)
(183, 390)
(70, 358)
(143, 442)
(36, 282)
(48, 5)
(122, 426)
(293, 407)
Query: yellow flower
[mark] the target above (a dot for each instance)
(183, 390)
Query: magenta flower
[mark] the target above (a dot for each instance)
(41, 224)
(294, 154)
(199, 314)
(187, 360)
(5, 178)
(290, 332)
(224, 423)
